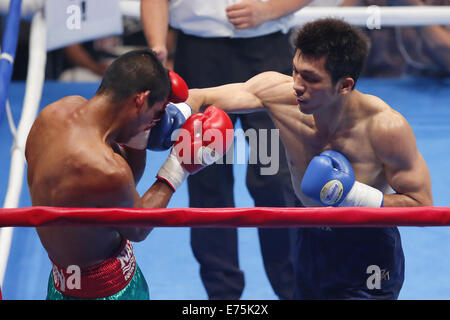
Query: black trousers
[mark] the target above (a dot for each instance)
(207, 62)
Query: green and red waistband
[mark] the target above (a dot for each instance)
(102, 280)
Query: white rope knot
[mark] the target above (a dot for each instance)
(7, 57)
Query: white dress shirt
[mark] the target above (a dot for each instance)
(207, 18)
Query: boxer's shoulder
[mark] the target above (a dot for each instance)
(372, 104)
(385, 119)
(379, 114)
(68, 100)
(272, 88)
(96, 179)
(270, 79)
(61, 107)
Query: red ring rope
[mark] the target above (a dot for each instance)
(226, 217)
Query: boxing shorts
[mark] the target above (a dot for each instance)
(117, 278)
(348, 263)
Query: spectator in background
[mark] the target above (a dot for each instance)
(384, 58)
(397, 51)
(89, 60)
(426, 49)
(219, 42)
(85, 62)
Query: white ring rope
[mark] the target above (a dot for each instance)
(375, 17)
(12, 125)
(372, 16)
(33, 93)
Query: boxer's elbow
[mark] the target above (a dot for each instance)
(135, 234)
(423, 199)
(408, 200)
(426, 200)
(195, 100)
(140, 234)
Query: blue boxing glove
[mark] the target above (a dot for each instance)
(175, 116)
(330, 180)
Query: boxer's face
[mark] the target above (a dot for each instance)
(152, 114)
(148, 115)
(313, 87)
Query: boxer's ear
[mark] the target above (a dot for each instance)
(141, 98)
(345, 85)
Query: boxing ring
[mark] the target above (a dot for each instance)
(165, 256)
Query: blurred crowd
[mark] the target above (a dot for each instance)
(395, 51)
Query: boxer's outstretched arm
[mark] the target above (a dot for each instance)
(406, 170)
(260, 92)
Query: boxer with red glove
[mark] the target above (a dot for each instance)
(204, 138)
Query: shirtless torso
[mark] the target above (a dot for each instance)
(303, 141)
(72, 162)
(381, 148)
(376, 139)
(318, 109)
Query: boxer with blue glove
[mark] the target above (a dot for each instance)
(330, 180)
(319, 108)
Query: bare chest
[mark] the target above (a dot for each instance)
(354, 144)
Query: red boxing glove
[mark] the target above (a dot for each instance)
(179, 92)
(203, 139)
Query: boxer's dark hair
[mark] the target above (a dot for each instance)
(133, 72)
(344, 46)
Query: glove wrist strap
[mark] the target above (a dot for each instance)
(172, 172)
(363, 195)
(184, 108)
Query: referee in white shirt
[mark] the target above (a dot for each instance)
(220, 42)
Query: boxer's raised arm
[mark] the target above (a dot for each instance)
(406, 170)
(256, 94)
